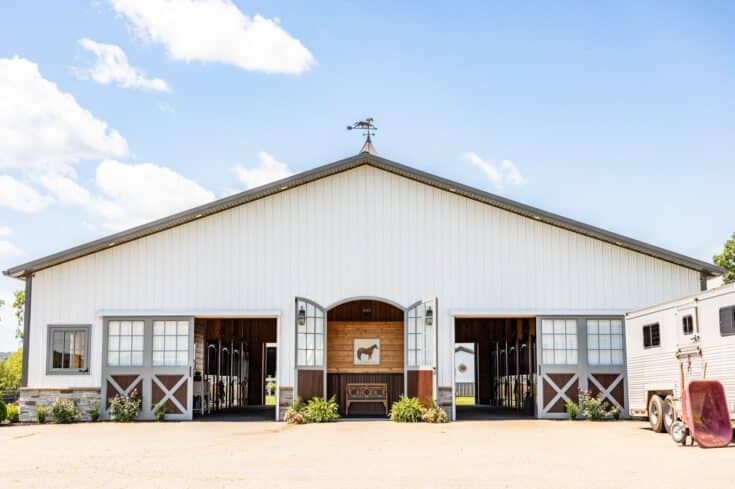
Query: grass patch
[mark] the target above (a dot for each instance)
(464, 401)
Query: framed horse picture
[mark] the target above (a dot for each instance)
(367, 351)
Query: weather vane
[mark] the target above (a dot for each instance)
(369, 128)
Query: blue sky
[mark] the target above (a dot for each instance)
(620, 115)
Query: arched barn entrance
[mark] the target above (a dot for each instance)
(365, 356)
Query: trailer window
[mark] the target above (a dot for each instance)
(727, 321)
(651, 336)
(687, 324)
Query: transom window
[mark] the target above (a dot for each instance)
(125, 343)
(559, 341)
(651, 336)
(170, 343)
(727, 321)
(687, 324)
(605, 341)
(309, 335)
(68, 349)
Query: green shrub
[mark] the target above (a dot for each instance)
(434, 414)
(320, 410)
(126, 408)
(572, 409)
(159, 411)
(270, 388)
(94, 413)
(407, 410)
(595, 408)
(13, 413)
(3, 411)
(64, 411)
(41, 414)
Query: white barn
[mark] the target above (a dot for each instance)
(196, 310)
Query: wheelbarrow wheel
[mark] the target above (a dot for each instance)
(679, 432)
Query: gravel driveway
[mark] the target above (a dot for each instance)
(523, 454)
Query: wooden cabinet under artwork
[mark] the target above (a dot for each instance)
(365, 346)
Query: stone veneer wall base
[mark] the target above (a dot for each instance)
(84, 398)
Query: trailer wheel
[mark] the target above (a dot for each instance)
(679, 432)
(669, 412)
(656, 413)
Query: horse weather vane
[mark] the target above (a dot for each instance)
(369, 130)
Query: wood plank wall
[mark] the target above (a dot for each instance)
(336, 386)
(253, 331)
(340, 346)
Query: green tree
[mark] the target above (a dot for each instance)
(19, 306)
(726, 260)
(10, 371)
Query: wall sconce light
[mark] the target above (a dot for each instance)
(301, 315)
(429, 317)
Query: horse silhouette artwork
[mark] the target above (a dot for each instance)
(365, 354)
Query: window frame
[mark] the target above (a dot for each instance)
(319, 316)
(144, 351)
(651, 325)
(610, 348)
(176, 350)
(687, 324)
(577, 349)
(731, 332)
(53, 328)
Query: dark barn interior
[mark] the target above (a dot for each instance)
(505, 367)
(364, 319)
(233, 359)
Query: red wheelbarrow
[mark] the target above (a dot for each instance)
(705, 417)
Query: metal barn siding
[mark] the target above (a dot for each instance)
(362, 232)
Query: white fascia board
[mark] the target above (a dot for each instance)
(199, 313)
(524, 313)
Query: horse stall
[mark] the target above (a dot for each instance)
(365, 357)
(495, 367)
(234, 365)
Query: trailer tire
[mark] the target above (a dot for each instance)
(679, 433)
(656, 413)
(669, 413)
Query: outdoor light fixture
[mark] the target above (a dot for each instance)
(429, 318)
(302, 315)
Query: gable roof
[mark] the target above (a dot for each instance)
(361, 159)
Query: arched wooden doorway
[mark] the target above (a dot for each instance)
(365, 356)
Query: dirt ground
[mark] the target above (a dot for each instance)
(519, 454)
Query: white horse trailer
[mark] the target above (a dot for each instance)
(696, 331)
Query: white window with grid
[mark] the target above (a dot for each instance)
(125, 343)
(309, 335)
(559, 341)
(170, 343)
(420, 336)
(605, 341)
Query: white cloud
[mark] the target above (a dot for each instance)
(19, 196)
(216, 31)
(135, 194)
(268, 171)
(112, 66)
(8, 250)
(5, 231)
(44, 128)
(506, 173)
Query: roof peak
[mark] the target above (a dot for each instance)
(369, 147)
